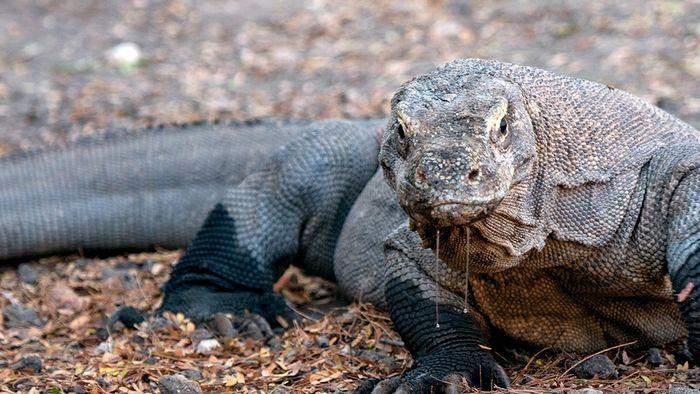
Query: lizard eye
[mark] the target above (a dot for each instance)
(503, 128)
(401, 132)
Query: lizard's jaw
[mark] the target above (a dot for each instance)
(451, 213)
(447, 216)
(458, 214)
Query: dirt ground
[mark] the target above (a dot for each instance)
(60, 77)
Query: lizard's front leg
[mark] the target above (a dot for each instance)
(683, 253)
(444, 354)
(290, 210)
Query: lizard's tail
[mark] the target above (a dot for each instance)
(128, 190)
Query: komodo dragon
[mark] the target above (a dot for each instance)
(574, 206)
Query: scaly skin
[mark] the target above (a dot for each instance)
(581, 201)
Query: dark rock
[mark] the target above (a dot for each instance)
(160, 323)
(127, 315)
(136, 338)
(252, 325)
(82, 264)
(177, 384)
(34, 346)
(102, 382)
(18, 316)
(322, 341)
(109, 272)
(654, 357)
(151, 360)
(598, 365)
(78, 389)
(193, 374)
(148, 264)
(668, 104)
(377, 356)
(126, 265)
(31, 361)
(101, 333)
(278, 330)
(683, 353)
(126, 278)
(200, 334)
(275, 343)
(28, 273)
(526, 379)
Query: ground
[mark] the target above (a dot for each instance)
(61, 77)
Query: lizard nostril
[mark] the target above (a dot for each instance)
(474, 175)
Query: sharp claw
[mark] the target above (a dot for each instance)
(262, 324)
(500, 377)
(453, 384)
(387, 386)
(405, 389)
(367, 386)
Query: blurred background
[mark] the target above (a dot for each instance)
(76, 66)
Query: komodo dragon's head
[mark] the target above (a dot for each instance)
(455, 146)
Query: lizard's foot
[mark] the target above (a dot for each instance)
(443, 372)
(201, 304)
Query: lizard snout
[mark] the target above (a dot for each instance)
(450, 188)
(438, 170)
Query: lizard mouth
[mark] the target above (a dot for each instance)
(457, 213)
(446, 217)
(453, 213)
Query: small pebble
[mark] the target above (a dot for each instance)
(109, 272)
(82, 264)
(104, 347)
(78, 389)
(207, 346)
(123, 277)
(654, 357)
(128, 316)
(136, 338)
(28, 273)
(526, 379)
(598, 365)
(322, 341)
(222, 325)
(34, 346)
(151, 361)
(590, 391)
(177, 384)
(193, 374)
(101, 333)
(201, 334)
(31, 361)
(102, 382)
(275, 343)
(126, 55)
(160, 323)
(18, 316)
(127, 265)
